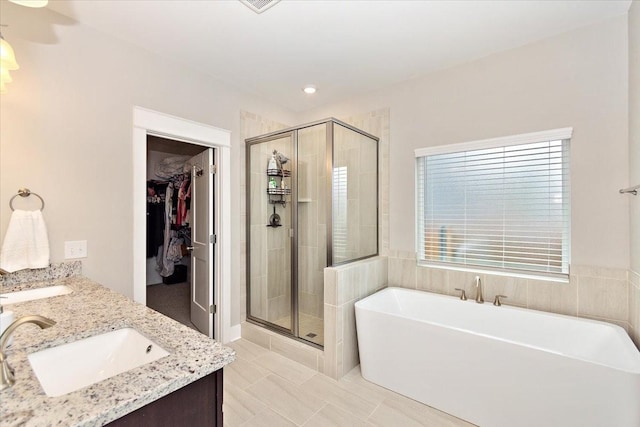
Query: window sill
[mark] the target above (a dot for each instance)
(531, 276)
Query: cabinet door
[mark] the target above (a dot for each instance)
(196, 404)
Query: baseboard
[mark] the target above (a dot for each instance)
(235, 333)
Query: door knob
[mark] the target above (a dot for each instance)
(190, 248)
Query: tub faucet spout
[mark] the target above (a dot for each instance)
(479, 298)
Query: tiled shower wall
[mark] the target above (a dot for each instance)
(312, 224)
(346, 284)
(354, 195)
(270, 247)
(250, 125)
(352, 281)
(377, 123)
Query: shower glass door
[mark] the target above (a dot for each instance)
(311, 231)
(269, 225)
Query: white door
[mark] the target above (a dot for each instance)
(202, 242)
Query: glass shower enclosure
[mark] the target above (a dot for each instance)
(312, 202)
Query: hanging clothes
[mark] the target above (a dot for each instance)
(184, 193)
(165, 266)
(156, 193)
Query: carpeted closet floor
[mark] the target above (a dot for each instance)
(172, 301)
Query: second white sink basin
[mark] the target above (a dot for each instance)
(75, 365)
(33, 294)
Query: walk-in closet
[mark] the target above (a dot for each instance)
(169, 203)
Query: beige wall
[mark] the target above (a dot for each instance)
(576, 79)
(634, 168)
(634, 130)
(66, 133)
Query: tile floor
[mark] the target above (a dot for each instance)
(263, 389)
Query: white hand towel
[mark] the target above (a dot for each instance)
(26, 244)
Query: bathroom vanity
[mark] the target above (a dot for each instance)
(181, 388)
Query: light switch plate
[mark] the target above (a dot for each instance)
(75, 249)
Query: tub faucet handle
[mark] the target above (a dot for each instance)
(497, 302)
(463, 294)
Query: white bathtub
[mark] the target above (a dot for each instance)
(499, 366)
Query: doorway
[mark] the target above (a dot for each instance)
(174, 175)
(149, 122)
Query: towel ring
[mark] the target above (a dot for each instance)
(25, 192)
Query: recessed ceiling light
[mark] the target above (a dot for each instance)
(309, 89)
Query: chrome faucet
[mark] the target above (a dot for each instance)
(479, 298)
(7, 378)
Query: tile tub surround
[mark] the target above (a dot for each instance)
(634, 307)
(343, 286)
(592, 292)
(54, 271)
(92, 309)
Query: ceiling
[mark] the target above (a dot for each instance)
(344, 47)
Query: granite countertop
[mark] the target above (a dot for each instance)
(92, 309)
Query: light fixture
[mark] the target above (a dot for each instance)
(5, 77)
(7, 62)
(309, 89)
(7, 57)
(31, 3)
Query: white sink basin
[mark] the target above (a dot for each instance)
(33, 294)
(72, 366)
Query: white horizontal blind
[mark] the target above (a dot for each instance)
(503, 208)
(340, 214)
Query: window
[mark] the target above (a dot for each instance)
(340, 216)
(499, 204)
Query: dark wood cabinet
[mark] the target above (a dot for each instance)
(196, 404)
